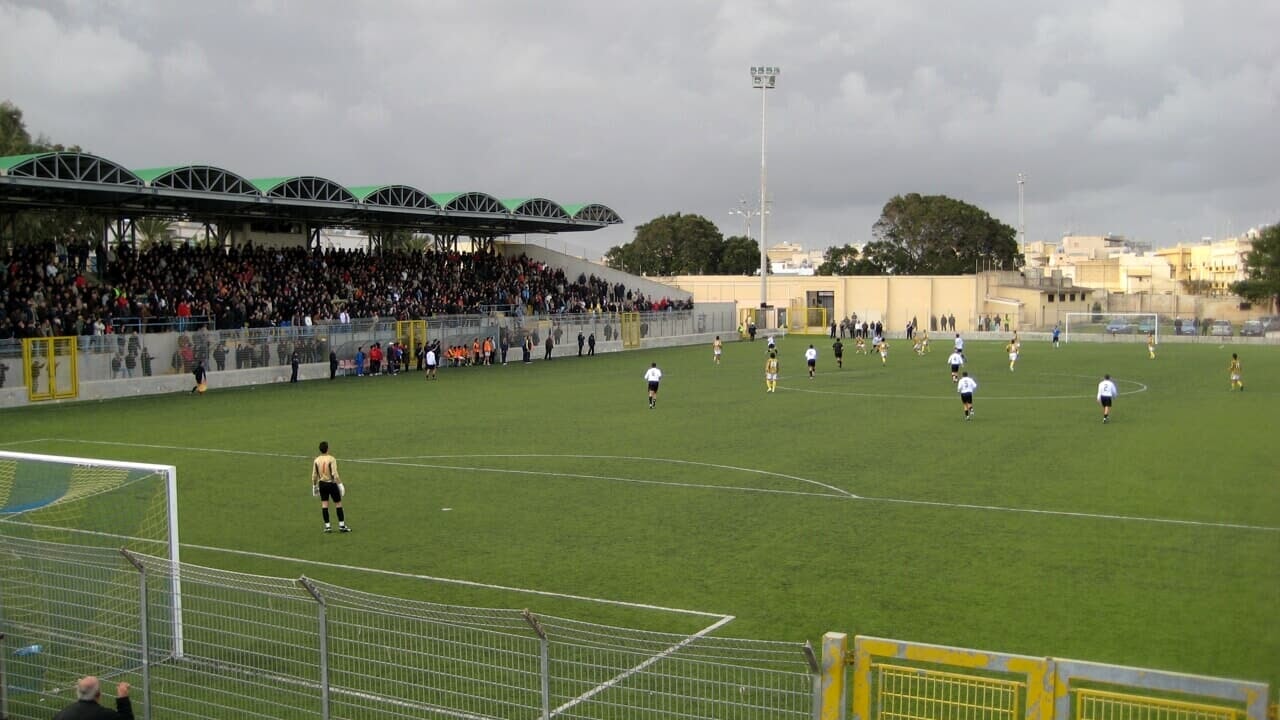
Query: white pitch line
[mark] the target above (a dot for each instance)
(23, 442)
(985, 398)
(845, 496)
(632, 671)
(455, 581)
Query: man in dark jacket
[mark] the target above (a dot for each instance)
(86, 707)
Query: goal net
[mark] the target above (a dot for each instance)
(1110, 325)
(70, 601)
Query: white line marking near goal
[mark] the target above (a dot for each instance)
(984, 398)
(673, 461)
(455, 581)
(23, 442)
(844, 496)
(632, 671)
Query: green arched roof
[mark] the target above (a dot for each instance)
(68, 179)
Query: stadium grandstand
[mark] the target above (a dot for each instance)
(87, 286)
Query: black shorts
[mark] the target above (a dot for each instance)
(329, 491)
(813, 363)
(966, 398)
(955, 368)
(1106, 401)
(840, 354)
(653, 387)
(431, 366)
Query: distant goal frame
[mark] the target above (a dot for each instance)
(1107, 317)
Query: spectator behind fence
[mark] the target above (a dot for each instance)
(86, 707)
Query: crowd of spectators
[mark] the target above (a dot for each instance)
(48, 291)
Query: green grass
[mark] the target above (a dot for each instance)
(559, 478)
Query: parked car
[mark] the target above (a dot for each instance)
(1252, 328)
(1120, 326)
(1220, 328)
(1146, 326)
(1184, 327)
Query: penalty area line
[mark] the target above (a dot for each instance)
(456, 581)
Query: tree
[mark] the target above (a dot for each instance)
(937, 235)
(154, 230)
(670, 245)
(839, 261)
(1263, 268)
(740, 256)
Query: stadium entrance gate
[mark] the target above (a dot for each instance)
(411, 332)
(49, 368)
(630, 329)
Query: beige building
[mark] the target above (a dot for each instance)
(1218, 263)
(1025, 300)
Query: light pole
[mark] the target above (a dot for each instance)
(764, 79)
(746, 213)
(1022, 217)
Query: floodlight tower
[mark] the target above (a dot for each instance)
(1022, 217)
(764, 79)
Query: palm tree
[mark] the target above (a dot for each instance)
(153, 230)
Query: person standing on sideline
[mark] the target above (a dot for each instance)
(86, 707)
(837, 350)
(294, 361)
(582, 341)
(811, 359)
(526, 349)
(432, 361)
(550, 345)
(360, 361)
(199, 374)
(717, 348)
(1151, 345)
(653, 376)
(965, 387)
(955, 361)
(771, 373)
(333, 364)
(1107, 393)
(1056, 332)
(1237, 374)
(326, 483)
(833, 329)
(591, 344)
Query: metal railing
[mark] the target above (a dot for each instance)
(266, 647)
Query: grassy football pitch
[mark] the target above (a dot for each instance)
(858, 501)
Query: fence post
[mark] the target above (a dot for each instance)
(4, 696)
(322, 627)
(835, 657)
(145, 630)
(815, 672)
(544, 669)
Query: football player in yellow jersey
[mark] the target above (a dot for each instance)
(717, 348)
(860, 346)
(883, 347)
(1237, 374)
(1012, 349)
(771, 372)
(923, 337)
(1151, 345)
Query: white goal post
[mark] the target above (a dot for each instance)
(78, 501)
(1111, 324)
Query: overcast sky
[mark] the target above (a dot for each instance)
(1156, 119)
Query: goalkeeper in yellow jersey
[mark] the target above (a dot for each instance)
(1151, 345)
(771, 373)
(1237, 374)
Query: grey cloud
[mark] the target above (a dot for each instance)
(1147, 117)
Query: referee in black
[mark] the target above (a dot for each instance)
(324, 482)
